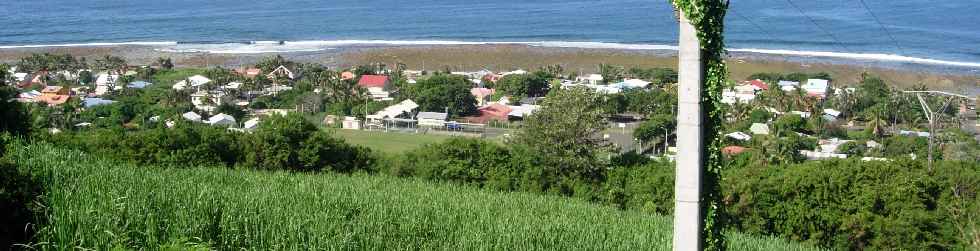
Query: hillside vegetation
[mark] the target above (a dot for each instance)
(90, 202)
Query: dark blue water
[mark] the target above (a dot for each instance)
(946, 30)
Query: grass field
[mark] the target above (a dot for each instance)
(93, 204)
(388, 142)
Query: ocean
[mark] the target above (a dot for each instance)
(943, 33)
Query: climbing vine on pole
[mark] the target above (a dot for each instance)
(708, 18)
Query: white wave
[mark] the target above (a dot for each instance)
(861, 56)
(257, 47)
(88, 45)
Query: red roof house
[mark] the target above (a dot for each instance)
(493, 111)
(733, 150)
(759, 84)
(373, 81)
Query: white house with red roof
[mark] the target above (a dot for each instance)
(376, 85)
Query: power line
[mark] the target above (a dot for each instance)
(829, 34)
(900, 49)
(754, 24)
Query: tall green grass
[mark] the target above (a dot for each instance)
(95, 204)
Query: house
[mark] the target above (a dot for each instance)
(233, 85)
(816, 87)
(489, 113)
(431, 119)
(733, 150)
(192, 116)
(482, 95)
(250, 72)
(831, 145)
(106, 79)
(138, 84)
(222, 120)
(351, 123)
(759, 129)
(602, 89)
(592, 79)
(92, 102)
(758, 84)
(251, 124)
(814, 155)
(788, 86)
(404, 107)
(193, 81)
(377, 86)
(730, 96)
(522, 111)
(739, 136)
(54, 95)
(281, 71)
(28, 97)
(207, 101)
(633, 83)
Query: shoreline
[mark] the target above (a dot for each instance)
(503, 57)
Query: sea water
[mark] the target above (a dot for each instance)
(908, 31)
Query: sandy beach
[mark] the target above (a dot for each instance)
(510, 57)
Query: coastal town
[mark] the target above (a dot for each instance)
(802, 116)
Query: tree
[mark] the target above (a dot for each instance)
(611, 73)
(165, 63)
(656, 127)
(112, 64)
(14, 117)
(566, 134)
(444, 92)
(525, 85)
(788, 124)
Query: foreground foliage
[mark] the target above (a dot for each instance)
(91, 203)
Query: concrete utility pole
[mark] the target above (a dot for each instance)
(687, 185)
(931, 115)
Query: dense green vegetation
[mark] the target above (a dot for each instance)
(92, 203)
(558, 151)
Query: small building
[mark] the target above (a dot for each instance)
(250, 72)
(733, 150)
(431, 119)
(376, 85)
(592, 79)
(816, 87)
(192, 116)
(222, 120)
(351, 123)
(281, 71)
(207, 101)
(193, 81)
(54, 95)
(106, 79)
(759, 129)
(492, 112)
(92, 102)
(233, 85)
(814, 155)
(522, 111)
(633, 84)
(739, 136)
(138, 84)
(251, 124)
(788, 86)
(758, 84)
